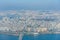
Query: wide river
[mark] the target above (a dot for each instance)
(31, 37)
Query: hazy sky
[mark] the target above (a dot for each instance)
(30, 4)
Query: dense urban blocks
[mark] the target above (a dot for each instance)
(29, 21)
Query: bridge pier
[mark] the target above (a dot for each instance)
(20, 36)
